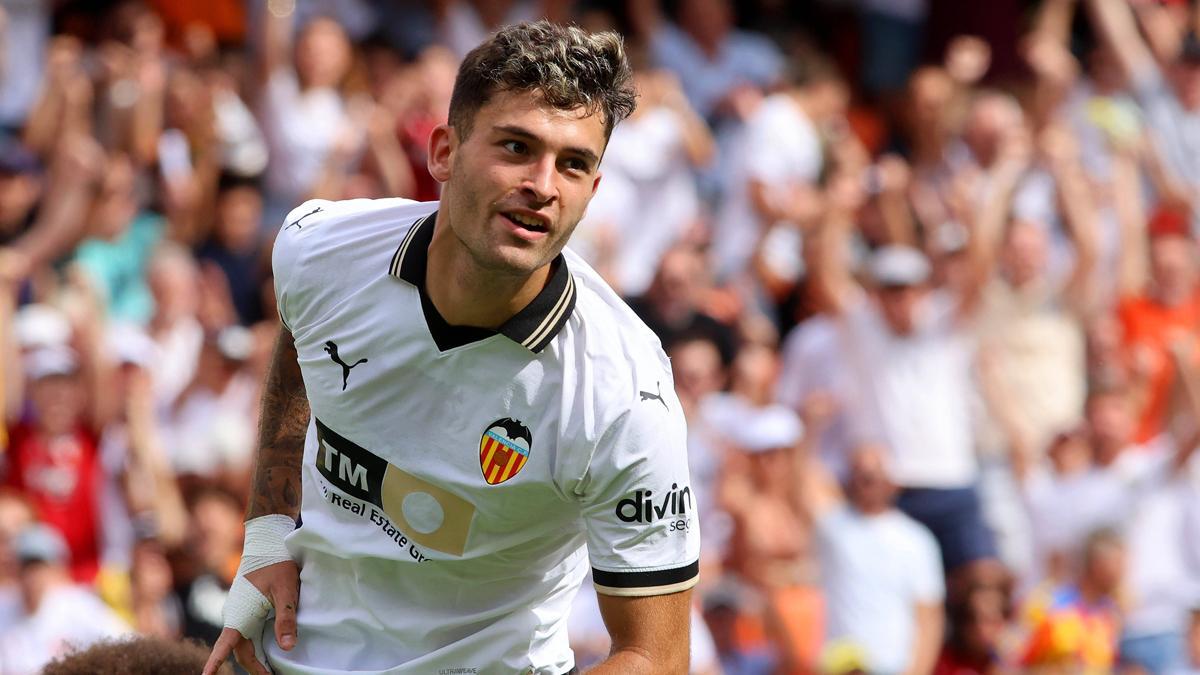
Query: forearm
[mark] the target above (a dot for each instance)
(394, 169)
(987, 229)
(633, 662)
(1114, 20)
(830, 269)
(276, 38)
(897, 219)
(650, 634)
(1131, 218)
(1080, 214)
(283, 424)
(927, 642)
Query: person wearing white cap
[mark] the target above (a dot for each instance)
(58, 615)
(769, 554)
(910, 355)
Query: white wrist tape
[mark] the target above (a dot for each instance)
(246, 608)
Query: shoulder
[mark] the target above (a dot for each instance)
(325, 249)
(613, 335)
(917, 536)
(326, 217)
(616, 363)
(319, 230)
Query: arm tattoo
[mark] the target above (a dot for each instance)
(282, 426)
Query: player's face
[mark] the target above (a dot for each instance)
(518, 184)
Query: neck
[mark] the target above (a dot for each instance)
(466, 294)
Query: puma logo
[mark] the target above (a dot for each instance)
(648, 396)
(331, 348)
(296, 222)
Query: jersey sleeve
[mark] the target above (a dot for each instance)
(928, 583)
(639, 509)
(286, 259)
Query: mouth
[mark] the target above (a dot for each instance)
(526, 224)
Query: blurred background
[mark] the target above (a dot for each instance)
(927, 272)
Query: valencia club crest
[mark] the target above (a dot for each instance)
(503, 450)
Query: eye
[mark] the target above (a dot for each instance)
(576, 164)
(515, 147)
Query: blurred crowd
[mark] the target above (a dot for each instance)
(927, 272)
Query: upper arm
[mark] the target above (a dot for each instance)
(654, 629)
(928, 582)
(638, 507)
(1116, 22)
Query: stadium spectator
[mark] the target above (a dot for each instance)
(56, 615)
(910, 359)
(648, 201)
(977, 624)
(1076, 625)
(1169, 305)
(214, 547)
(774, 170)
(1168, 94)
(880, 570)
(53, 457)
(302, 110)
(675, 303)
(723, 70)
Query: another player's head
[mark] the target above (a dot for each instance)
(530, 116)
(136, 656)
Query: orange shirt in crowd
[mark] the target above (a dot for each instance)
(1149, 328)
(226, 18)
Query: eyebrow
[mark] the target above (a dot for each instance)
(511, 130)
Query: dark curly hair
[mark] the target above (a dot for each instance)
(136, 656)
(566, 65)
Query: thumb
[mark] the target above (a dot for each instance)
(285, 597)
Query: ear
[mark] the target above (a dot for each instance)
(596, 183)
(442, 144)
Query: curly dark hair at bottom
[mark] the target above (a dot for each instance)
(136, 656)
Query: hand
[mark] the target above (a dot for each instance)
(968, 59)
(1049, 59)
(63, 59)
(280, 583)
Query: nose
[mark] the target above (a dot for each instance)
(539, 181)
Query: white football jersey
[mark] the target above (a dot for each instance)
(459, 482)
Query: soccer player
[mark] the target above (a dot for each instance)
(488, 419)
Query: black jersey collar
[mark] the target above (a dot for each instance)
(533, 327)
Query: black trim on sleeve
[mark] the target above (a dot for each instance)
(652, 579)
